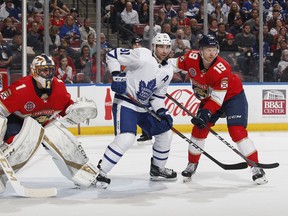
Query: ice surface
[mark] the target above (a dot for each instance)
(212, 192)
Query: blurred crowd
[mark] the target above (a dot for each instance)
(235, 24)
(72, 40)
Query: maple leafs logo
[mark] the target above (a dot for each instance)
(145, 91)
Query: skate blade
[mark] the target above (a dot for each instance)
(187, 179)
(147, 142)
(159, 178)
(261, 181)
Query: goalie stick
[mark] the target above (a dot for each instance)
(20, 189)
(252, 163)
(242, 165)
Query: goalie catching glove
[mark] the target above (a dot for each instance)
(82, 110)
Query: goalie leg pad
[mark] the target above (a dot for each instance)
(69, 155)
(24, 144)
(23, 147)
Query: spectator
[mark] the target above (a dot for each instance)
(271, 21)
(183, 21)
(254, 16)
(278, 52)
(200, 16)
(168, 10)
(90, 43)
(119, 6)
(8, 29)
(53, 38)
(86, 29)
(62, 51)
(84, 64)
(105, 76)
(217, 14)
(166, 28)
(221, 33)
(74, 14)
(56, 19)
(233, 13)
(245, 14)
(282, 69)
(144, 13)
(34, 39)
(160, 18)
(174, 25)
(226, 9)
(129, 18)
(267, 36)
(247, 4)
(179, 44)
(278, 25)
(35, 6)
(6, 55)
(213, 27)
(104, 44)
(194, 6)
(187, 12)
(63, 70)
(9, 11)
(70, 31)
(57, 4)
(245, 41)
(211, 6)
(237, 27)
(195, 29)
(39, 20)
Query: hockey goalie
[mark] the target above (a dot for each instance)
(27, 120)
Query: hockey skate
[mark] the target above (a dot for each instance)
(144, 140)
(102, 181)
(161, 174)
(258, 176)
(189, 171)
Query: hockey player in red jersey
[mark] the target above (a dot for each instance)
(27, 119)
(221, 94)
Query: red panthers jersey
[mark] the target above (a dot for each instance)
(20, 98)
(214, 85)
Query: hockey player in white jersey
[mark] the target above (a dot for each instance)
(145, 76)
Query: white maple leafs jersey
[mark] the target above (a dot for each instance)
(147, 80)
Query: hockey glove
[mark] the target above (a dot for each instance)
(202, 118)
(166, 120)
(118, 84)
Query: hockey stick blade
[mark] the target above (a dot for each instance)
(242, 165)
(252, 163)
(20, 189)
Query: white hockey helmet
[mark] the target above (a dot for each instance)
(42, 70)
(161, 39)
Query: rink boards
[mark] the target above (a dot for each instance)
(267, 107)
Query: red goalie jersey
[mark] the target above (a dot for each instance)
(22, 99)
(212, 86)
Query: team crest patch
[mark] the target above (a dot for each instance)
(224, 83)
(29, 106)
(192, 72)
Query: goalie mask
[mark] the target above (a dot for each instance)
(43, 70)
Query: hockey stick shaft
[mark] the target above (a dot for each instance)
(252, 163)
(242, 165)
(18, 188)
